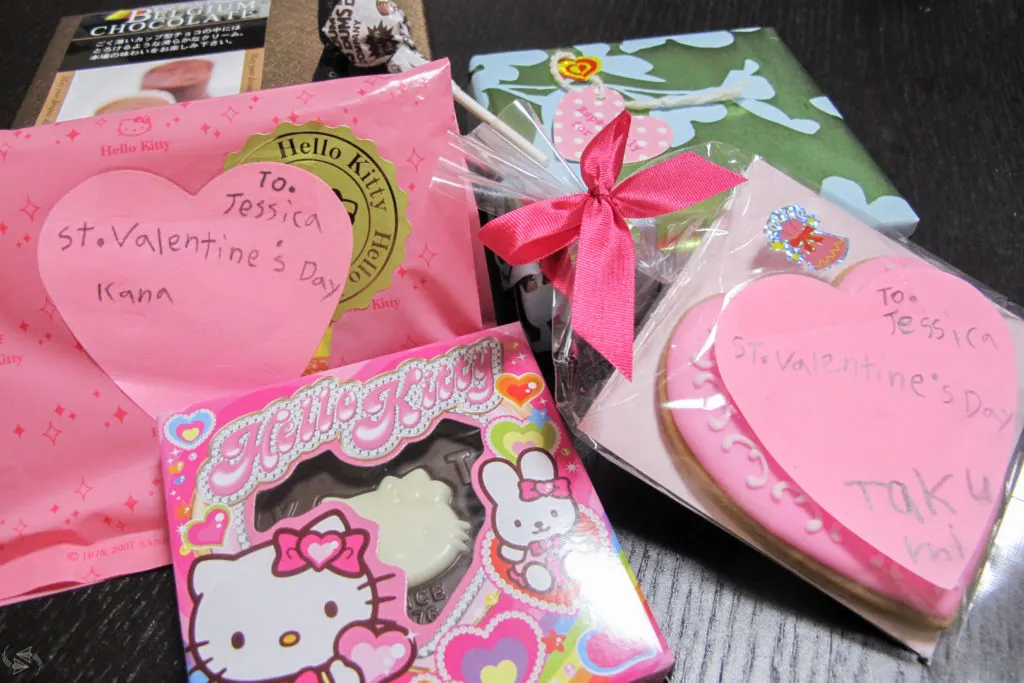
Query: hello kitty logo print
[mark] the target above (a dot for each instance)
(304, 607)
(533, 515)
(370, 420)
(134, 127)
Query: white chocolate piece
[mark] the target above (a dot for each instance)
(419, 532)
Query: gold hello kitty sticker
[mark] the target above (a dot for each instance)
(363, 181)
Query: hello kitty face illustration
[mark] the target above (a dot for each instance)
(275, 611)
(140, 125)
(531, 503)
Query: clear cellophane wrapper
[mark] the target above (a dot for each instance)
(842, 401)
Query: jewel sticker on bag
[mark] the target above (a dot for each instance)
(795, 233)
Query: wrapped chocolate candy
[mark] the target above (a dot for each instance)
(370, 33)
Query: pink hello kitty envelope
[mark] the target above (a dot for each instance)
(418, 517)
(79, 477)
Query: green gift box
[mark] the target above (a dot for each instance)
(773, 108)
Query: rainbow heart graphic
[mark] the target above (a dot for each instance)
(189, 431)
(509, 436)
(508, 650)
(519, 389)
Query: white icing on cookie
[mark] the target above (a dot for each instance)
(419, 532)
(703, 378)
(719, 423)
(755, 481)
(778, 489)
(703, 364)
(754, 454)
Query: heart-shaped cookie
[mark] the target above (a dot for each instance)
(853, 428)
(889, 406)
(180, 298)
(583, 112)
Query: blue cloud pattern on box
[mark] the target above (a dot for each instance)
(809, 140)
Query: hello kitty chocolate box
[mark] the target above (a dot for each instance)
(418, 517)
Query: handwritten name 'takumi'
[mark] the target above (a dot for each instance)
(927, 508)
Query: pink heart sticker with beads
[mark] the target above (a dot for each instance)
(583, 112)
(891, 404)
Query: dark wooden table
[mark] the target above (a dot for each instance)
(934, 90)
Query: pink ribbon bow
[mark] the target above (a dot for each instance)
(532, 489)
(603, 292)
(341, 553)
(544, 545)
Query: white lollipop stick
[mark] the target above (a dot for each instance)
(477, 110)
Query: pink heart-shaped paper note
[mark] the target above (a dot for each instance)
(892, 406)
(180, 298)
(582, 113)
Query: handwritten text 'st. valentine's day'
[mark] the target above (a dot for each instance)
(269, 201)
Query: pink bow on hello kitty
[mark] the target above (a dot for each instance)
(532, 489)
(338, 553)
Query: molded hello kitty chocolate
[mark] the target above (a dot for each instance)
(830, 397)
(418, 517)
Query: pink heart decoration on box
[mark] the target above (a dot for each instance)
(509, 648)
(892, 405)
(581, 114)
(380, 654)
(608, 654)
(208, 532)
(179, 298)
(319, 548)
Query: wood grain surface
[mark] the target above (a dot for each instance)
(934, 90)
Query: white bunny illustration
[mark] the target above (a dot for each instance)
(533, 513)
